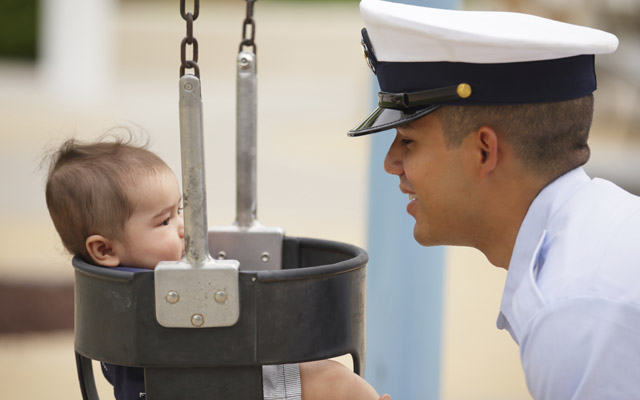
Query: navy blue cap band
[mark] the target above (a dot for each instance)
(406, 86)
(492, 84)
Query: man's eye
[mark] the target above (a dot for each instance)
(406, 141)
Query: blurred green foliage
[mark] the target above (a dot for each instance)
(19, 29)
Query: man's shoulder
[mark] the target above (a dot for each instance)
(591, 246)
(599, 209)
(611, 190)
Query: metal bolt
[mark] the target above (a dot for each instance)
(188, 86)
(173, 297)
(265, 257)
(245, 63)
(197, 320)
(221, 296)
(222, 255)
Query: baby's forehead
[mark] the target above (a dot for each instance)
(154, 189)
(136, 179)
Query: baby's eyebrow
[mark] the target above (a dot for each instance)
(166, 210)
(169, 208)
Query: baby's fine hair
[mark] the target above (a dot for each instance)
(90, 185)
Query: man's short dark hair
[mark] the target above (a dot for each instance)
(549, 138)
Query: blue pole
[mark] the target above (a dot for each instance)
(404, 285)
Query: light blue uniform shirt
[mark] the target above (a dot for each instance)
(572, 295)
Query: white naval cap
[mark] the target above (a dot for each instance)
(424, 57)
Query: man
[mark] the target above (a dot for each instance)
(492, 113)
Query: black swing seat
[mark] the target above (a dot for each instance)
(313, 308)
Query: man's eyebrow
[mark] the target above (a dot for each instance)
(407, 126)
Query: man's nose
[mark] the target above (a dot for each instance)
(393, 160)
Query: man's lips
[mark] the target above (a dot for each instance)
(408, 191)
(412, 198)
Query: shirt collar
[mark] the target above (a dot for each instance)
(535, 223)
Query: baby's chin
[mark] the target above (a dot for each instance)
(170, 261)
(146, 267)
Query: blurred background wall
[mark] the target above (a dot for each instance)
(71, 68)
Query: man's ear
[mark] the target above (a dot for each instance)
(101, 251)
(486, 140)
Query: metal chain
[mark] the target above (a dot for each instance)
(189, 39)
(248, 21)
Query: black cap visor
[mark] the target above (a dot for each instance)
(382, 119)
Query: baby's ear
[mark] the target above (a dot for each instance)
(101, 251)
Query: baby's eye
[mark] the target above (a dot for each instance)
(179, 210)
(166, 221)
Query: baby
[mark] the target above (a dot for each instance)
(118, 205)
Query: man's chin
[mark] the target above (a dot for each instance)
(421, 237)
(425, 238)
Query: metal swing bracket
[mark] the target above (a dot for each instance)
(257, 247)
(199, 291)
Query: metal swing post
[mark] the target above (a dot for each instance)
(255, 246)
(183, 288)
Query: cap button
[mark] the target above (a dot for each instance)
(463, 90)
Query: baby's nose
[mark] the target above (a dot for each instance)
(181, 228)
